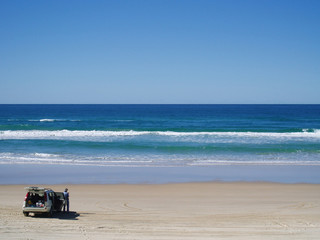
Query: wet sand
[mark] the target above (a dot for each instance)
(170, 211)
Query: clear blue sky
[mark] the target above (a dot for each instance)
(159, 51)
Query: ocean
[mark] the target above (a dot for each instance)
(159, 136)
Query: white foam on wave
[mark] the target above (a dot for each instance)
(255, 162)
(315, 133)
(45, 155)
(136, 161)
(39, 134)
(45, 158)
(68, 134)
(43, 120)
(39, 158)
(53, 120)
(48, 120)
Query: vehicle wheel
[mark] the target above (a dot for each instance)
(26, 214)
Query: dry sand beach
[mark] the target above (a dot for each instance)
(171, 211)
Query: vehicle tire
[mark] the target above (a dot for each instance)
(26, 214)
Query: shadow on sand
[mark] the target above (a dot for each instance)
(59, 215)
(66, 215)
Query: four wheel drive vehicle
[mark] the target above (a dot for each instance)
(42, 201)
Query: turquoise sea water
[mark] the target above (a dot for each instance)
(160, 135)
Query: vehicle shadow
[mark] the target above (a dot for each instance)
(66, 215)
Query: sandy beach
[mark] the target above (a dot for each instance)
(170, 211)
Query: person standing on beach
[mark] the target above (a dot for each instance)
(66, 200)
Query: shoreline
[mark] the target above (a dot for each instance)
(68, 174)
(210, 210)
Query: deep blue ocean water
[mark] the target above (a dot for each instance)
(160, 135)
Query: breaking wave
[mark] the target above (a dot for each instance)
(52, 120)
(73, 135)
(144, 160)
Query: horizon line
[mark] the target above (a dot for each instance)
(159, 103)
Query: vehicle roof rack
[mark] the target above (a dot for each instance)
(37, 188)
